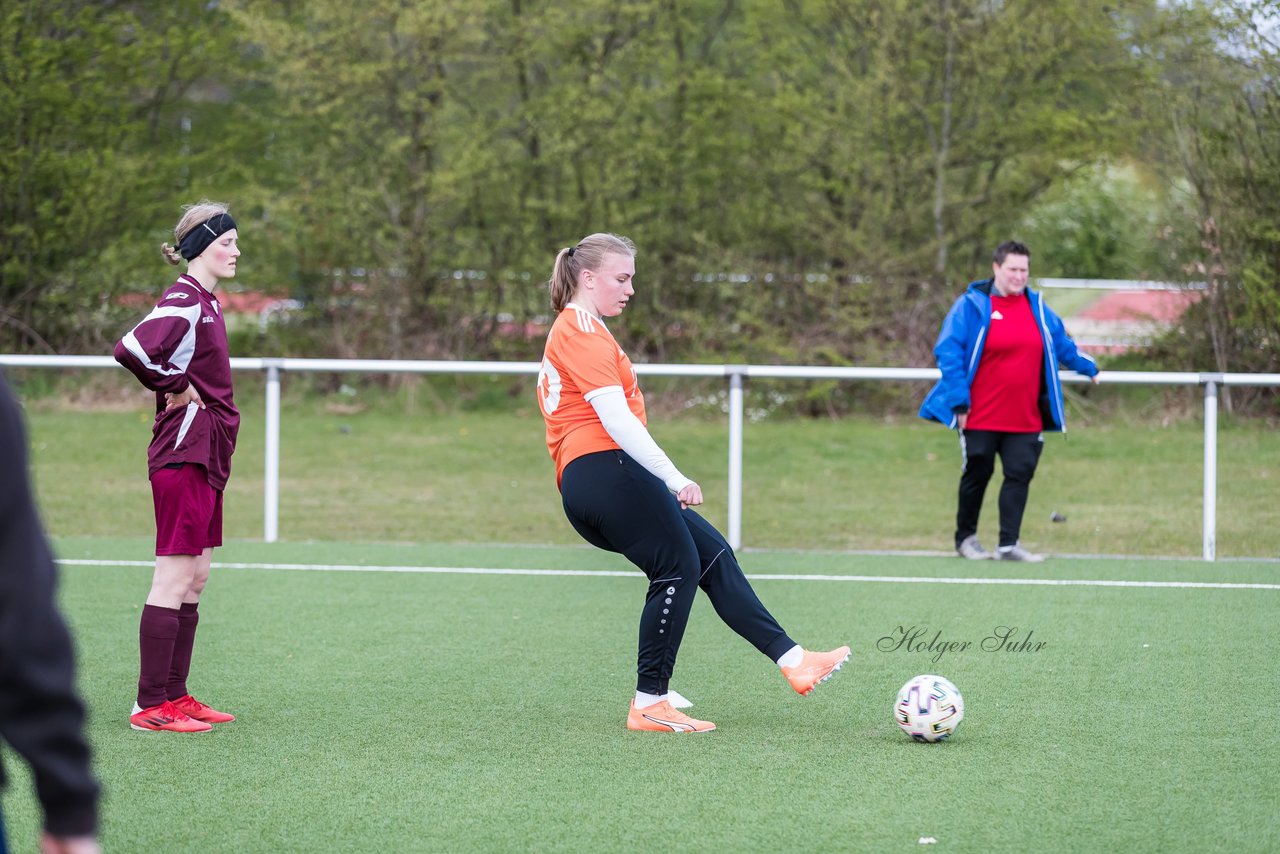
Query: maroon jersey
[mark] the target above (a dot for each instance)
(183, 341)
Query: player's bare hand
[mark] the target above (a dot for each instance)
(962, 418)
(1096, 378)
(689, 496)
(182, 398)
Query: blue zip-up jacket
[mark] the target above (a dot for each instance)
(959, 349)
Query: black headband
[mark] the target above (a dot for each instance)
(198, 239)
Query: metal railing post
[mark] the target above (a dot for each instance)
(271, 461)
(736, 374)
(1211, 465)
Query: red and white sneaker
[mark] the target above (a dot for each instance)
(193, 708)
(165, 717)
(815, 668)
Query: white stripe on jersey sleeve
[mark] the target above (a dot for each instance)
(186, 349)
(586, 320)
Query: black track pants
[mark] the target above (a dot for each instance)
(618, 506)
(1019, 455)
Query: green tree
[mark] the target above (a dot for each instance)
(808, 180)
(1216, 130)
(1112, 220)
(912, 137)
(101, 143)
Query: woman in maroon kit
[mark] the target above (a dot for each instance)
(179, 351)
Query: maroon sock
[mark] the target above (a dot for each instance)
(157, 632)
(188, 618)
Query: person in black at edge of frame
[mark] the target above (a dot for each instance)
(41, 716)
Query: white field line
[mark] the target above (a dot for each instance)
(886, 579)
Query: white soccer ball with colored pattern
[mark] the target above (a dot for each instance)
(929, 708)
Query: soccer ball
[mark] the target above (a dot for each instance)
(929, 708)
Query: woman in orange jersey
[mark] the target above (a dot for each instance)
(624, 495)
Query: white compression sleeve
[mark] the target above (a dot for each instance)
(625, 428)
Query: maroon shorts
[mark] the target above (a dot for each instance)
(188, 511)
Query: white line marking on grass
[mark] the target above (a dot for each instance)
(339, 567)
(1045, 582)
(1222, 559)
(607, 573)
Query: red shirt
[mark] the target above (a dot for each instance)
(183, 341)
(1006, 390)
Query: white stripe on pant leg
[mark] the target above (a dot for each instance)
(711, 564)
(964, 454)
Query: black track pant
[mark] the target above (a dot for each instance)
(616, 505)
(1019, 454)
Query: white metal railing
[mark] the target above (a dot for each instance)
(737, 376)
(1119, 285)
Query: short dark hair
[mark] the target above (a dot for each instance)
(1009, 247)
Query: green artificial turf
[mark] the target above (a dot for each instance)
(480, 712)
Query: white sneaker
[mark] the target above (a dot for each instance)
(971, 549)
(1017, 552)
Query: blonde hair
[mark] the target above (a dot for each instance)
(192, 216)
(588, 254)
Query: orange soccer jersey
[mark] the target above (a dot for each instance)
(581, 360)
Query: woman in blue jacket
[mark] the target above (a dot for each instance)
(999, 352)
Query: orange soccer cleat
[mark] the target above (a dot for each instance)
(815, 668)
(661, 717)
(165, 717)
(193, 708)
